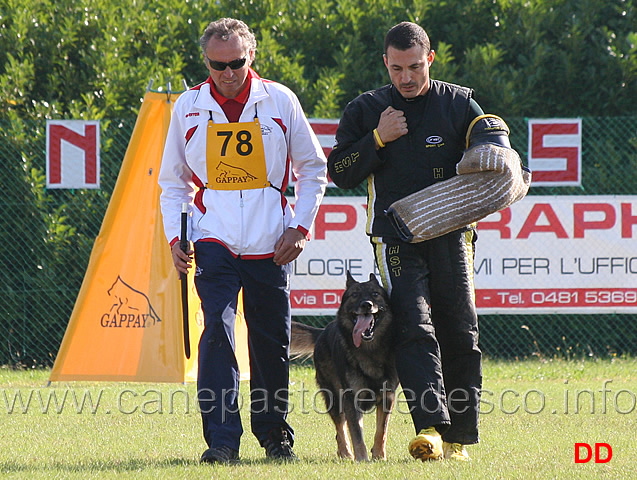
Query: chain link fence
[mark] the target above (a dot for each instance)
(47, 236)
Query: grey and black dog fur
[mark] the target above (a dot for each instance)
(355, 367)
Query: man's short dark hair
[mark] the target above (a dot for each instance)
(406, 35)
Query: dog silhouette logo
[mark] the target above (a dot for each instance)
(232, 174)
(130, 308)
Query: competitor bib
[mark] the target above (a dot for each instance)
(235, 157)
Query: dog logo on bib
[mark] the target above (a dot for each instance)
(232, 175)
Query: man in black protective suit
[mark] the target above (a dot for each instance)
(402, 138)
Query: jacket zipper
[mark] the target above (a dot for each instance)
(240, 222)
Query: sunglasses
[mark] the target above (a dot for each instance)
(234, 64)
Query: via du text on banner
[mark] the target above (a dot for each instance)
(562, 254)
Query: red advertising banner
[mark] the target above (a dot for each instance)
(562, 254)
(555, 151)
(72, 154)
(325, 130)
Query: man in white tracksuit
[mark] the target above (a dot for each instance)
(232, 142)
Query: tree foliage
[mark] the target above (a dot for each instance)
(95, 58)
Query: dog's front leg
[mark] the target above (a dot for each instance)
(342, 441)
(383, 411)
(355, 424)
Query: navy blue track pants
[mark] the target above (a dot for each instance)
(266, 308)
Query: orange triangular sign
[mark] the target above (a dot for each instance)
(127, 322)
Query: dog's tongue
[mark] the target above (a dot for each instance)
(363, 322)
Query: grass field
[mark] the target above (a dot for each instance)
(533, 413)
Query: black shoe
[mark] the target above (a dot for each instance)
(220, 455)
(278, 447)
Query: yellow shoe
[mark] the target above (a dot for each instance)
(427, 445)
(455, 451)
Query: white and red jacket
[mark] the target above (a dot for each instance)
(246, 222)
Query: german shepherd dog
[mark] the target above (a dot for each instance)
(355, 367)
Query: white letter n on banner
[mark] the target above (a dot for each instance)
(72, 154)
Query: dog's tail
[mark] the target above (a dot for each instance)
(303, 339)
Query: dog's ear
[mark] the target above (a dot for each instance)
(373, 278)
(350, 280)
